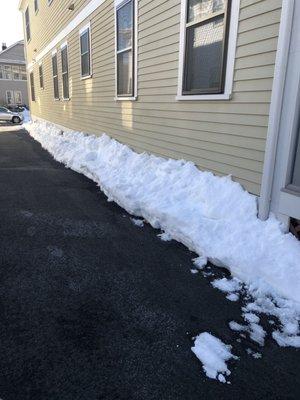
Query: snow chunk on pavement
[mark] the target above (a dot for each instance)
(227, 285)
(213, 354)
(200, 262)
(137, 222)
(233, 297)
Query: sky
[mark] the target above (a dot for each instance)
(11, 29)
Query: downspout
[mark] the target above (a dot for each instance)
(283, 47)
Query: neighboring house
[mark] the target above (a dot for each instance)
(13, 77)
(202, 80)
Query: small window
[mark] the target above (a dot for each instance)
(206, 32)
(85, 52)
(65, 71)
(16, 73)
(27, 24)
(125, 53)
(18, 97)
(6, 72)
(41, 75)
(32, 86)
(9, 97)
(55, 76)
(36, 6)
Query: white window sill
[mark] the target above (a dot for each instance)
(204, 97)
(134, 98)
(83, 78)
(56, 99)
(66, 99)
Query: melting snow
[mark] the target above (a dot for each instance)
(213, 354)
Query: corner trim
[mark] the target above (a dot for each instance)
(281, 62)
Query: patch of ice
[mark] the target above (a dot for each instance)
(213, 354)
(137, 222)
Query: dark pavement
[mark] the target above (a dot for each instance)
(93, 307)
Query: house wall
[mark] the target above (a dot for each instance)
(226, 137)
(15, 86)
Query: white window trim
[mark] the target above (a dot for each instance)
(232, 39)
(118, 4)
(62, 47)
(81, 32)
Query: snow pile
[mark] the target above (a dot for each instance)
(26, 115)
(213, 354)
(211, 215)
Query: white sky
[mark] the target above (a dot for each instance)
(11, 28)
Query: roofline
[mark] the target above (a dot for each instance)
(11, 46)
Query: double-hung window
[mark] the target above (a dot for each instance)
(41, 76)
(85, 52)
(31, 77)
(65, 71)
(125, 57)
(55, 76)
(207, 49)
(27, 24)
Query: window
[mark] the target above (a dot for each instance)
(27, 24)
(125, 58)
(23, 73)
(41, 76)
(55, 76)
(207, 49)
(31, 77)
(206, 42)
(9, 97)
(6, 72)
(85, 52)
(65, 71)
(18, 97)
(36, 6)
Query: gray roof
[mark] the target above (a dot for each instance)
(14, 54)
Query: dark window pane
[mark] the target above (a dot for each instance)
(85, 64)
(41, 76)
(203, 8)
(125, 82)
(55, 87)
(27, 23)
(66, 86)
(54, 65)
(64, 59)
(84, 42)
(124, 26)
(32, 87)
(36, 5)
(204, 57)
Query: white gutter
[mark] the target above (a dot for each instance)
(281, 62)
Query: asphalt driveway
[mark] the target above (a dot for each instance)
(94, 307)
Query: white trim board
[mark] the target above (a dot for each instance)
(285, 31)
(232, 39)
(83, 14)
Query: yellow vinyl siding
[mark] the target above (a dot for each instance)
(226, 137)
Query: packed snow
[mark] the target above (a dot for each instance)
(213, 354)
(213, 216)
(138, 222)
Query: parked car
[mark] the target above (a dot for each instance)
(18, 109)
(10, 116)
